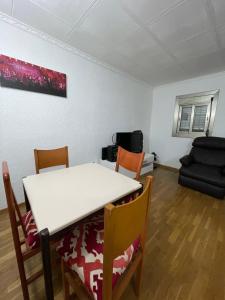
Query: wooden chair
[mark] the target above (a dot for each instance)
(130, 161)
(51, 158)
(16, 220)
(122, 226)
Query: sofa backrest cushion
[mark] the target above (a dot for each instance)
(210, 142)
(207, 156)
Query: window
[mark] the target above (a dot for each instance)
(194, 114)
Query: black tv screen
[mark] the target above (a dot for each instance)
(131, 141)
(123, 139)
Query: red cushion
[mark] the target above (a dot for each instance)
(32, 238)
(82, 250)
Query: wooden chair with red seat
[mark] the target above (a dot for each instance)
(130, 161)
(51, 158)
(31, 238)
(100, 256)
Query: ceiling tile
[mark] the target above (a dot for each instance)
(89, 43)
(206, 64)
(120, 62)
(137, 44)
(198, 46)
(68, 10)
(219, 8)
(155, 60)
(103, 52)
(6, 6)
(221, 32)
(108, 23)
(30, 14)
(148, 10)
(160, 74)
(187, 20)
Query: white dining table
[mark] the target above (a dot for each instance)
(60, 198)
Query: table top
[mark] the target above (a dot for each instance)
(60, 198)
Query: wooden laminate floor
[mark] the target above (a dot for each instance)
(185, 253)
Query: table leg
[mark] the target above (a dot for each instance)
(141, 189)
(27, 204)
(46, 260)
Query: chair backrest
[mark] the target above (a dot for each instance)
(122, 226)
(130, 161)
(51, 158)
(13, 208)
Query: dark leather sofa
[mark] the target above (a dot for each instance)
(204, 168)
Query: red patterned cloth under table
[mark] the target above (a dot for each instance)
(32, 238)
(82, 251)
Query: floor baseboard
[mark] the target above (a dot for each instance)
(175, 170)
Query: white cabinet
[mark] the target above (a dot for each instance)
(147, 165)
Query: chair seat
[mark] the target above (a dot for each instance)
(32, 236)
(82, 251)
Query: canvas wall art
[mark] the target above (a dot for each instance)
(21, 75)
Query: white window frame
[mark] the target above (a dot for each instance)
(193, 100)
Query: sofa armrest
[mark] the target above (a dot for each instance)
(186, 160)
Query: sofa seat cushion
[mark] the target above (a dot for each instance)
(209, 174)
(32, 237)
(82, 251)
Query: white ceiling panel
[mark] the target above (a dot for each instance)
(157, 41)
(206, 64)
(149, 10)
(121, 62)
(88, 42)
(105, 53)
(108, 23)
(31, 14)
(187, 20)
(154, 61)
(68, 10)
(6, 6)
(219, 10)
(137, 44)
(197, 46)
(221, 32)
(159, 74)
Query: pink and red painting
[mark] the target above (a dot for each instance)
(21, 75)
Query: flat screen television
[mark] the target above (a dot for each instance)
(131, 141)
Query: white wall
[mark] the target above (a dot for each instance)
(169, 148)
(99, 103)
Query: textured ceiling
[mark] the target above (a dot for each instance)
(157, 41)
